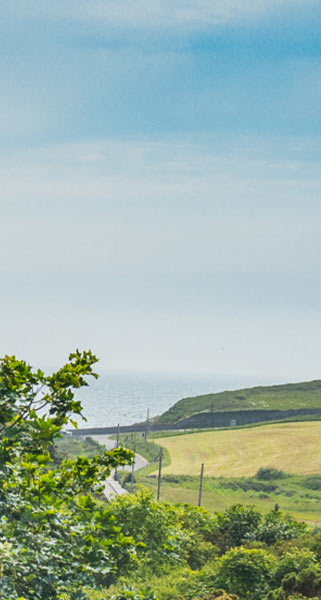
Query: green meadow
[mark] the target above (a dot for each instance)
(281, 397)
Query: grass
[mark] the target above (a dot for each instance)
(292, 444)
(137, 443)
(177, 432)
(292, 497)
(292, 447)
(71, 447)
(282, 397)
(291, 494)
(233, 457)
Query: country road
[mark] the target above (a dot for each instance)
(112, 487)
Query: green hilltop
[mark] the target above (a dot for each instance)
(281, 397)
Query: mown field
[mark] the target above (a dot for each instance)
(291, 447)
(232, 459)
(282, 397)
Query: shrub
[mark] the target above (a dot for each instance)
(155, 526)
(235, 525)
(251, 484)
(306, 582)
(130, 593)
(313, 482)
(294, 562)
(54, 539)
(218, 595)
(245, 572)
(276, 526)
(268, 473)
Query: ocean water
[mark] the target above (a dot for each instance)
(124, 398)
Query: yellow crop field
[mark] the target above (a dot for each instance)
(292, 447)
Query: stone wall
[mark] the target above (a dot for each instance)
(207, 420)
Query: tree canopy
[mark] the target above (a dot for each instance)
(53, 537)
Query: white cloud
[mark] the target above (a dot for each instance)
(172, 170)
(151, 13)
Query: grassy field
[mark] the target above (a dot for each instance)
(293, 494)
(232, 459)
(292, 447)
(282, 397)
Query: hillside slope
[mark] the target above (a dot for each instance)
(283, 397)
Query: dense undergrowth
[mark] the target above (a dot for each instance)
(187, 553)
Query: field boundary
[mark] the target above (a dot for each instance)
(206, 420)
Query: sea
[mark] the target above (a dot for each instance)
(125, 397)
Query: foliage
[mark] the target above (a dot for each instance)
(236, 525)
(218, 595)
(53, 537)
(276, 526)
(245, 572)
(252, 571)
(313, 482)
(268, 473)
(138, 443)
(130, 593)
(70, 446)
(297, 575)
(249, 483)
(161, 529)
(296, 561)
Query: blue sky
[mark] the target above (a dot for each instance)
(160, 184)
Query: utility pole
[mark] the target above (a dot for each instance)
(133, 469)
(147, 425)
(117, 445)
(201, 485)
(212, 415)
(159, 473)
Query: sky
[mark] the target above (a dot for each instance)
(160, 184)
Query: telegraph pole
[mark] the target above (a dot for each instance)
(201, 485)
(117, 445)
(159, 473)
(133, 469)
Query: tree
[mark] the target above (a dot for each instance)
(235, 525)
(245, 572)
(54, 538)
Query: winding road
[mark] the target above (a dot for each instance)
(112, 487)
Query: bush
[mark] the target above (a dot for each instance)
(245, 572)
(235, 525)
(130, 593)
(268, 473)
(312, 483)
(218, 595)
(250, 484)
(276, 526)
(294, 563)
(155, 526)
(306, 582)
